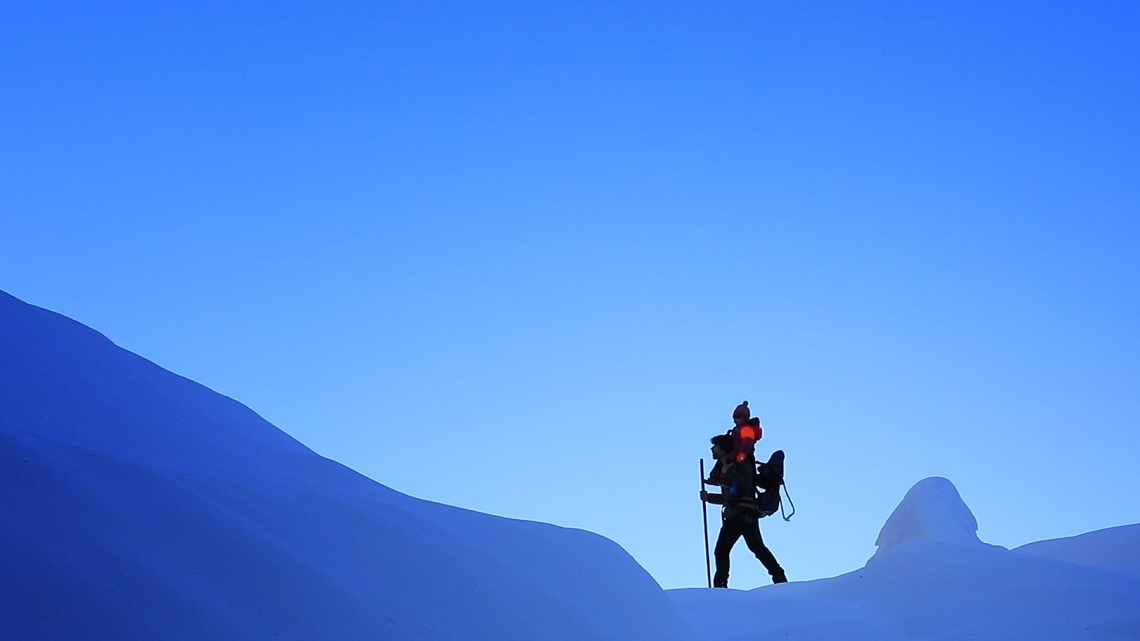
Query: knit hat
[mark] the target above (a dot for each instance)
(741, 413)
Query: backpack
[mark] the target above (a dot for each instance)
(769, 480)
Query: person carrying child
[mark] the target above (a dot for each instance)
(735, 473)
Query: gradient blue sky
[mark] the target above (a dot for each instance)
(525, 258)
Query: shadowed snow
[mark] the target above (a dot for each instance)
(137, 504)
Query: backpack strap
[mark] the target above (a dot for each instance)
(789, 516)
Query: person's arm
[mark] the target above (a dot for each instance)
(715, 499)
(717, 477)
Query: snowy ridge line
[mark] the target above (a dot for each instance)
(932, 578)
(138, 504)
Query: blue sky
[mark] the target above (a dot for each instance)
(526, 259)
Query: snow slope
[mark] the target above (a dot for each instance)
(1115, 548)
(137, 504)
(933, 579)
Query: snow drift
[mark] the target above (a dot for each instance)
(932, 578)
(1116, 549)
(933, 510)
(137, 504)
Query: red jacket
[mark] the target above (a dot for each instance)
(744, 439)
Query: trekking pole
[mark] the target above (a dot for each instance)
(705, 515)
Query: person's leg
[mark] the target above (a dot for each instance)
(729, 533)
(755, 543)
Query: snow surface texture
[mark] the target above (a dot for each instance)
(933, 579)
(137, 504)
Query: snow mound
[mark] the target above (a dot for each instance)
(1115, 548)
(925, 584)
(929, 589)
(137, 504)
(933, 510)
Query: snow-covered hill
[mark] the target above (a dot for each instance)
(137, 504)
(932, 578)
